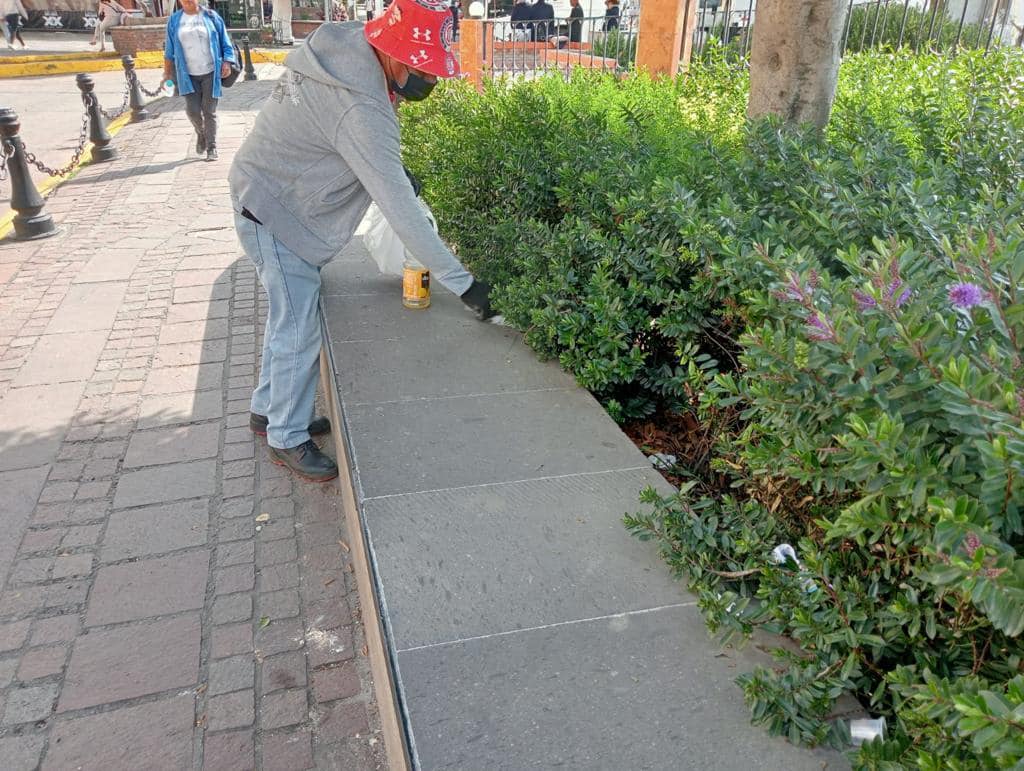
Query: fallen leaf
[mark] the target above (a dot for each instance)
(344, 546)
(366, 649)
(264, 517)
(201, 721)
(264, 620)
(202, 688)
(329, 581)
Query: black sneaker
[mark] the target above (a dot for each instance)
(478, 299)
(306, 460)
(211, 154)
(258, 425)
(200, 144)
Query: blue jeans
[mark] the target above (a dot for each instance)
(291, 342)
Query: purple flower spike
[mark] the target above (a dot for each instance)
(966, 295)
(906, 295)
(819, 329)
(864, 301)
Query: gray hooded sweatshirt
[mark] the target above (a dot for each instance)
(324, 145)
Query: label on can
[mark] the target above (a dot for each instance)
(415, 284)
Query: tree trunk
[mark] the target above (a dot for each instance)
(794, 59)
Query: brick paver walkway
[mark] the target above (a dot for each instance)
(170, 598)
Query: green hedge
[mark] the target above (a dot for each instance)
(841, 316)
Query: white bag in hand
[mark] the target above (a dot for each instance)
(383, 242)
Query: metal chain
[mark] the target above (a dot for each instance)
(6, 151)
(82, 137)
(124, 102)
(145, 90)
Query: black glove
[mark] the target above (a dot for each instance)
(478, 299)
(416, 186)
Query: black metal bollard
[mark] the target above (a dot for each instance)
(30, 221)
(135, 100)
(98, 134)
(250, 71)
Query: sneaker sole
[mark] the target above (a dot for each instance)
(277, 462)
(261, 432)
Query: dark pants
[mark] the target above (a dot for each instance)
(201, 108)
(13, 28)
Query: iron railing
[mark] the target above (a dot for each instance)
(527, 49)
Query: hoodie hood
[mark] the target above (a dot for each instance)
(339, 56)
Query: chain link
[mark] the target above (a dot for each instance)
(82, 138)
(145, 90)
(124, 102)
(6, 151)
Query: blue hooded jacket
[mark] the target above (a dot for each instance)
(220, 45)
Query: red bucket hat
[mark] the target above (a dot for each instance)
(418, 33)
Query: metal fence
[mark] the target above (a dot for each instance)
(922, 25)
(527, 49)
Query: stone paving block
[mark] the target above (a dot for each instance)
(231, 640)
(197, 311)
(166, 483)
(289, 749)
(30, 703)
(172, 445)
(276, 552)
(109, 265)
(155, 530)
(493, 360)
(452, 566)
(204, 277)
(13, 635)
(157, 735)
(277, 605)
(237, 578)
(130, 661)
(171, 409)
(280, 636)
(8, 667)
(231, 674)
(88, 307)
(235, 553)
(658, 668)
(21, 753)
(509, 437)
(31, 571)
(20, 491)
(236, 529)
(185, 379)
(72, 565)
(55, 629)
(329, 646)
(285, 670)
(192, 294)
(275, 577)
(183, 354)
(340, 682)
(189, 331)
(232, 607)
(283, 708)
(63, 358)
(231, 751)
(35, 421)
(341, 720)
(150, 587)
(42, 662)
(233, 710)
(42, 540)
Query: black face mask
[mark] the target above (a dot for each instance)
(416, 88)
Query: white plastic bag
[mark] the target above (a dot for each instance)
(383, 242)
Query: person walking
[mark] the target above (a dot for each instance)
(325, 145)
(197, 52)
(13, 12)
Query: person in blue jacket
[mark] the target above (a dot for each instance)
(197, 53)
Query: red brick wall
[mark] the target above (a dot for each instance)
(132, 39)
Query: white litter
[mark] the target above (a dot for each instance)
(865, 729)
(784, 553)
(663, 460)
